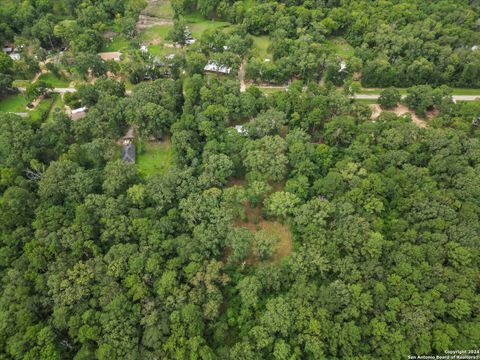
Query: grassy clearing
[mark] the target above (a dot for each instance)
(57, 104)
(55, 81)
(156, 34)
(366, 101)
(460, 91)
(260, 46)
(198, 24)
(117, 44)
(341, 47)
(161, 9)
(42, 110)
(13, 103)
(270, 91)
(20, 83)
(154, 158)
(159, 50)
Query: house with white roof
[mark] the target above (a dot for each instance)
(213, 66)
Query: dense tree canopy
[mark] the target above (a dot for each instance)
(99, 262)
(253, 225)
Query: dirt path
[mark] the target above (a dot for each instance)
(241, 76)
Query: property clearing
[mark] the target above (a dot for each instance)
(13, 103)
(400, 110)
(256, 222)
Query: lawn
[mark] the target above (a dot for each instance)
(118, 43)
(41, 112)
(460, 91)
(154, 158)
(260, 46)
(55, 81)
(156, 34)
(159, 50)
(160, 8)
(366, 101)
(269, 91)
(197, 24)
(57, 104)
(341, 47)
(13, 103)
(21, 83)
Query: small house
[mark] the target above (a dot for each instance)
(114, 55)
(79, 113)
(128, 148)
(343, 66)
(213, 66)
(7, 49)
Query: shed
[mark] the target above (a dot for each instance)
(128, 153)
(14, 56)
(114, 55)
(7, 49)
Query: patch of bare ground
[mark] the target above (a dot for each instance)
(145, 22)
(401, 110)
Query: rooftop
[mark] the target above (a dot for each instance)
(114, 55)
(213, 66)
(128, 153)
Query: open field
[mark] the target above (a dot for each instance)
(57, 104)
(22, 83)
(154, 158)
(41, 112)
(341, 47)
(197, 24)
(55, 81)
(117, 44)
(159, 8)
(13, 103)
(155, 35)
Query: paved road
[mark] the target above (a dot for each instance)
(57, 90)
(356, 96)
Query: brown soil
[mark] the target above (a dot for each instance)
(399, 111)
(145, 22)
